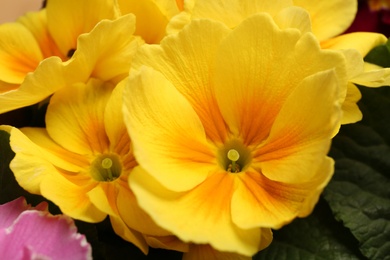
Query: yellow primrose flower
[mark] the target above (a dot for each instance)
(152, 16)
(328, 20)
(82, 161)
(33, 48)
(231, 129)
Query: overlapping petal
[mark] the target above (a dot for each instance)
(301, 133)
(36, 23)
(174, 210)
(41, 160)
(252, 85)
(47, 78)
(273, 204)
(157, 116)
(151, 18)
(19, 53)
(293, 17)
(71, 198)
(329, 18)
(234, 12)
(361, 41)
(106, 58)
(45, 159)
(105, 197)
(351, 111)
(132, 215)
(75, 117)
(167, 242)
(182, 56)
(115, 127)
(68, 19)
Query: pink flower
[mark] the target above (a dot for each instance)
(33, 233)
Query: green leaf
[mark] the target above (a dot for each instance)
(318, 236)
(380, 55)
(359, 193)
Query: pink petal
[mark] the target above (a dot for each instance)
(11, 210)
(39, 235)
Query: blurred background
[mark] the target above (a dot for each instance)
(10, 10)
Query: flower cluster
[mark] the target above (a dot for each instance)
(197, 126)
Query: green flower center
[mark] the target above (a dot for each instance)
(106, 167)
(234, 156)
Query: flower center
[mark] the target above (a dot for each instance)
(106, 167)
(234, 156)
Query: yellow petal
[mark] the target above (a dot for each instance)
(57, 155)
(151, 21)
(135, 217)
(47, 78)
(370, 66)
(301, 133)
(361, 41)
(167, 242)
(75, 117)
(351, 111)
(122, 230)
(177, 23)
(104, 197)
(170, 8)
(373, 78)
(259, 201)
(320, 181)
(201, 215)
(68, 19)
(19, 52)
(113, 121)
(233, 12)
(157, 116)
(22, 170)
(72, 199)
(33, 162)
(331, 17)
(6, 87)
(256, 70)
(106, 58)
(354, 61)
(185, 60)
(36, 23)
(293, 17)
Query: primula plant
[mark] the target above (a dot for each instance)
(194, 129)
